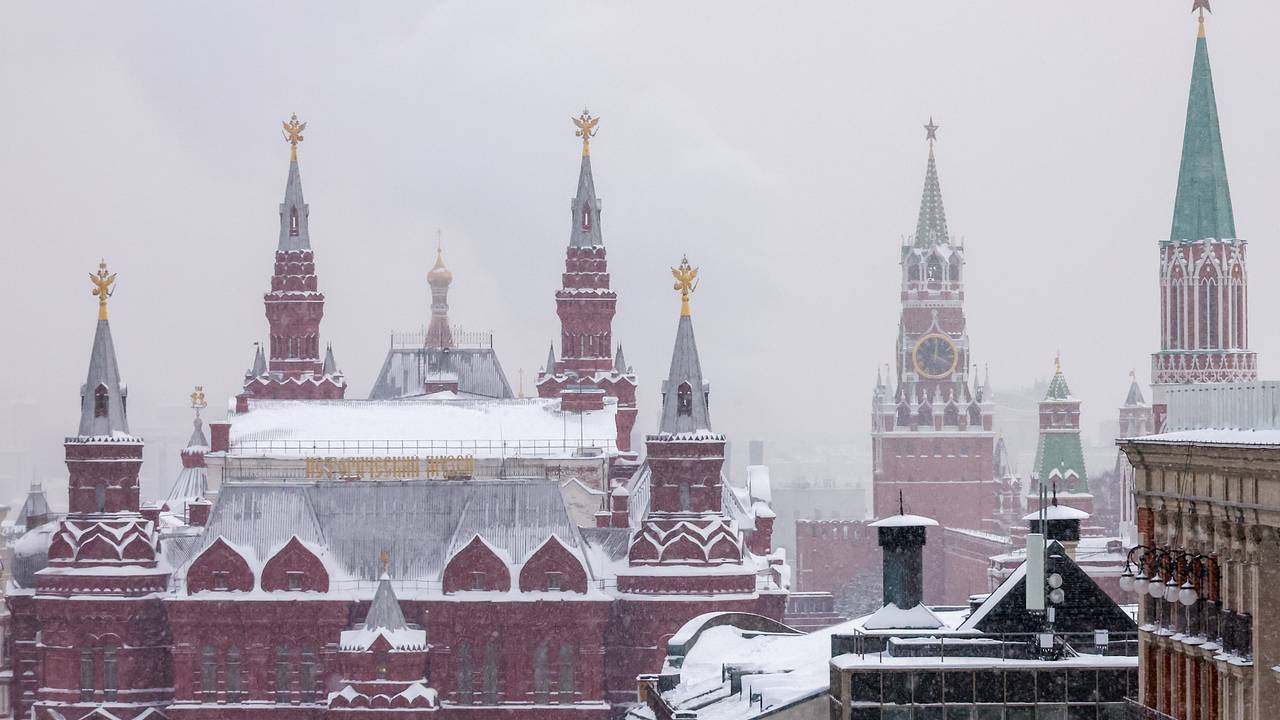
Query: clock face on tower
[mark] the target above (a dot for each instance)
(934, 356)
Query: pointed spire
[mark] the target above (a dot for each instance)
(1203, 205)
(1058, 389)
(550, 367)
(1134, 397)
(585, 207)
(620, 362)
(384, 611)
(684, 395)
(103, 397)
(294, 234)
(931, 226)
(259, 362)
(330, 365)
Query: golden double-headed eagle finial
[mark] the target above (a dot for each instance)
(293, 135)
(198, 402)
(102, 289)
(686, 282)
(586, 129)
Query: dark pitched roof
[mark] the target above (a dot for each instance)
(1203, 205)
(1086, 607)
(585, 210)
(103, 377)
(289, 239)
(1135, 393)
(685, 369)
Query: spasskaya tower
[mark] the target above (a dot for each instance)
(932, 431)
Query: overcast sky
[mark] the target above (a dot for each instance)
(778, 144)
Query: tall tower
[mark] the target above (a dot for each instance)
(98, 600)
(1059, 464)
(932, 434)
(586, 306)
(294, 305)
(1204, 330)
(685, 524)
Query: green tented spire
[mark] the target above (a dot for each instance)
(1203, 206)
(1058, 389)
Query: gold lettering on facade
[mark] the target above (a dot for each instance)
(436, 467)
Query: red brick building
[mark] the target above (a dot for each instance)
(394, 587)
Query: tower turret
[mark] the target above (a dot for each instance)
(439, 334)
(294, 304)
(1204, 332)
(586, 305)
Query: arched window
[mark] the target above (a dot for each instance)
(904, 415)
(462, 664)
(1238, 313)
(233, 674)
(209, 673)
(307, 674)
(684, 400)
(567, 670)
(926, 414)
(913, 269)
(86, 674)
(934, 272)
(101, 401)
(490, 678)
(284, 671)
(110, 676)
(541, 677)
(975, 415)
(293, 222)
(1210, 309)
(951, 416)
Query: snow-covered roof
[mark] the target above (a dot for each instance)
(892, 617)
(420, 524)
(1058, 512)
(1216, 436)
(480, 428)
(904, 520)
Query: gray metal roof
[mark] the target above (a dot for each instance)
(1134, 397)
(293, 201)
(103, 373)
(620, 362)
(418, 523)
(330, 365)
(384, 611)
(405, 371)
(585, 234)
(685, 368)
(36, 504)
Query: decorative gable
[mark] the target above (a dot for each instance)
(295, 568)
(552, 567)
(219, 567)
(476, 567)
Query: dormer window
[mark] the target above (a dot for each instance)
(101, 401)
(221, 580)
(477, 581)
(684, 400)
(293, 579)
(553, 581)
(293, 222)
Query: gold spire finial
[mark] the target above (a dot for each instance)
(198, 402)
(686, 282)
(1057, 362)
(586, 129)
(293, 135)
(102, 282)
(1133, 377)
(1201, 5)
(385, 559)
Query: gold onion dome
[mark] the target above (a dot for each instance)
(439, 273)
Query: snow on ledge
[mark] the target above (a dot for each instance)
(904, 521)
